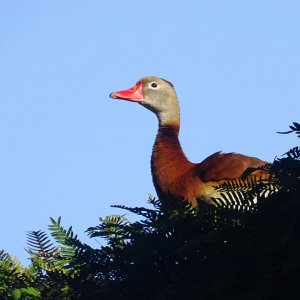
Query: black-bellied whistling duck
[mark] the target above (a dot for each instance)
(173, 174)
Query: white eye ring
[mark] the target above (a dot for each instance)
(153, 85)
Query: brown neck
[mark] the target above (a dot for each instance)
(168, 162)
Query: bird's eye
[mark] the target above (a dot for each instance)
(154, 85)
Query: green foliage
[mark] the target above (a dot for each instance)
(176, 252)
(16, 282)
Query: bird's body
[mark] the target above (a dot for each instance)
(173, 174)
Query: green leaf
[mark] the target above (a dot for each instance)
(16, 294)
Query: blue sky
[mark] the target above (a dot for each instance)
(68, 150)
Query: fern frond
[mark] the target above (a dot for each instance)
(238, 184)
(68, 240)
(265, 168)
(12, 262)
(61, 235)
(170, 207)
(293, 153)
(4, 256)
(140, 211)
(14, 269)
(155, 202)
(39, 242)
(244, 195)
(115, 229)
(236, 201)
(294, 128)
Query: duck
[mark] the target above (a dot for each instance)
(173, 174)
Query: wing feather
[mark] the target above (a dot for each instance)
(226, 166)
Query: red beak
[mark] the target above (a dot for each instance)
(132, 94)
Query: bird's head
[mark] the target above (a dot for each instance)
(157, 95)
